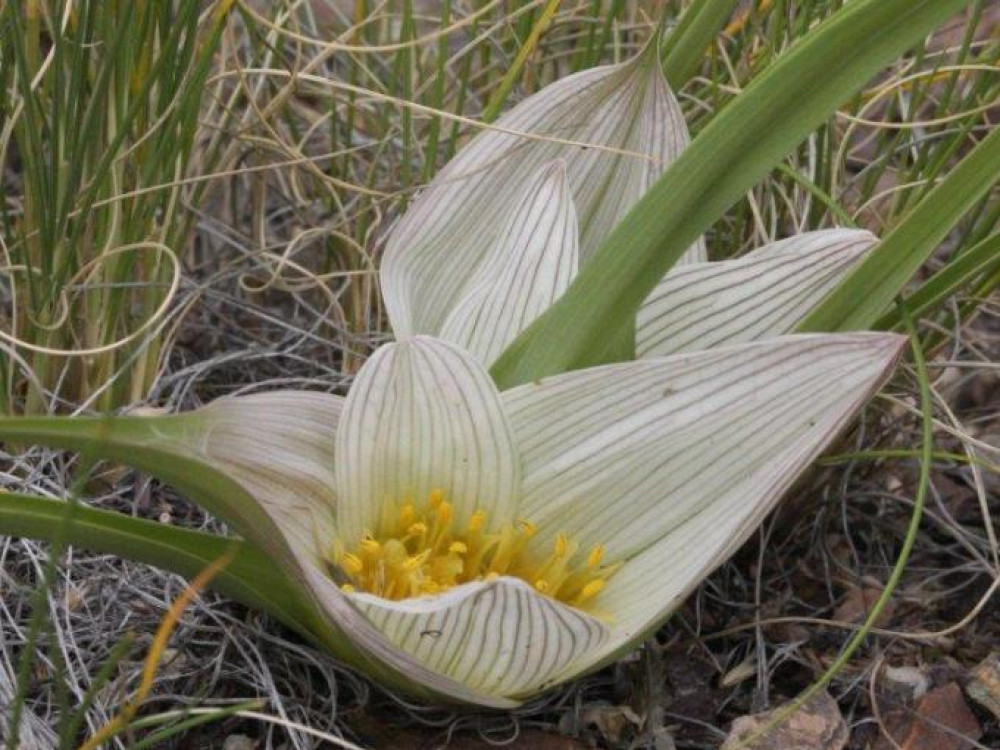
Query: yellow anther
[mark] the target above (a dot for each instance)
(592, 589)
(528, 529)
(477, 521)
(561, 544)
(436, 497)
(418, 549)
(351, 564)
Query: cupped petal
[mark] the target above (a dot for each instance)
(656, 582)
(499, 637)
(438, 246)
(535, 259)
(761, 295)
(626, 455)
(422, 415)
(280, 447)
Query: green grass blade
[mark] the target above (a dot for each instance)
(685, 47)
(865, 295)
(738, 147)
(506, 85)
(980, 259)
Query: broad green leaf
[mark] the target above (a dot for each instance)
(976, 261)
(769, 118)
(867, 293)
(685, 46)
(250, 578)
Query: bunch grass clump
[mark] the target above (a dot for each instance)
(101, 122)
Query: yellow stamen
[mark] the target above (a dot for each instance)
(560, 544)
(477, 521)
(588, 592)
(593, 588)
(595, 556)
(351, 564)
(421, 551)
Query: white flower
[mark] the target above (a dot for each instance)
(499, 234)
(482, 546)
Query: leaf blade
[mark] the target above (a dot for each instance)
(866, 294)
(737, 148)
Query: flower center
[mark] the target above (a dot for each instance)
(423, 550)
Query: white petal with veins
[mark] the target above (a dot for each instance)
(422, 415)
(499, 637)
(763, 294)
(535, 259)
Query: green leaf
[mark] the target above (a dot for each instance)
(155, 445)
(977, 260)
(685, 47)
(736, 149)
(866, 294)
(250, 578)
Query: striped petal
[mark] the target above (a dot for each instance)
(500, 638)
(422, 415)
(532, 265)
(627, 455)
(761, 295)
(279, 447)
(437, 248)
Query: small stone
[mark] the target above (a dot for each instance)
(941, 721)
(818, 725)
(983, 685)
(238, 742)
(906, 684)
(858, 603)
(613, 722)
